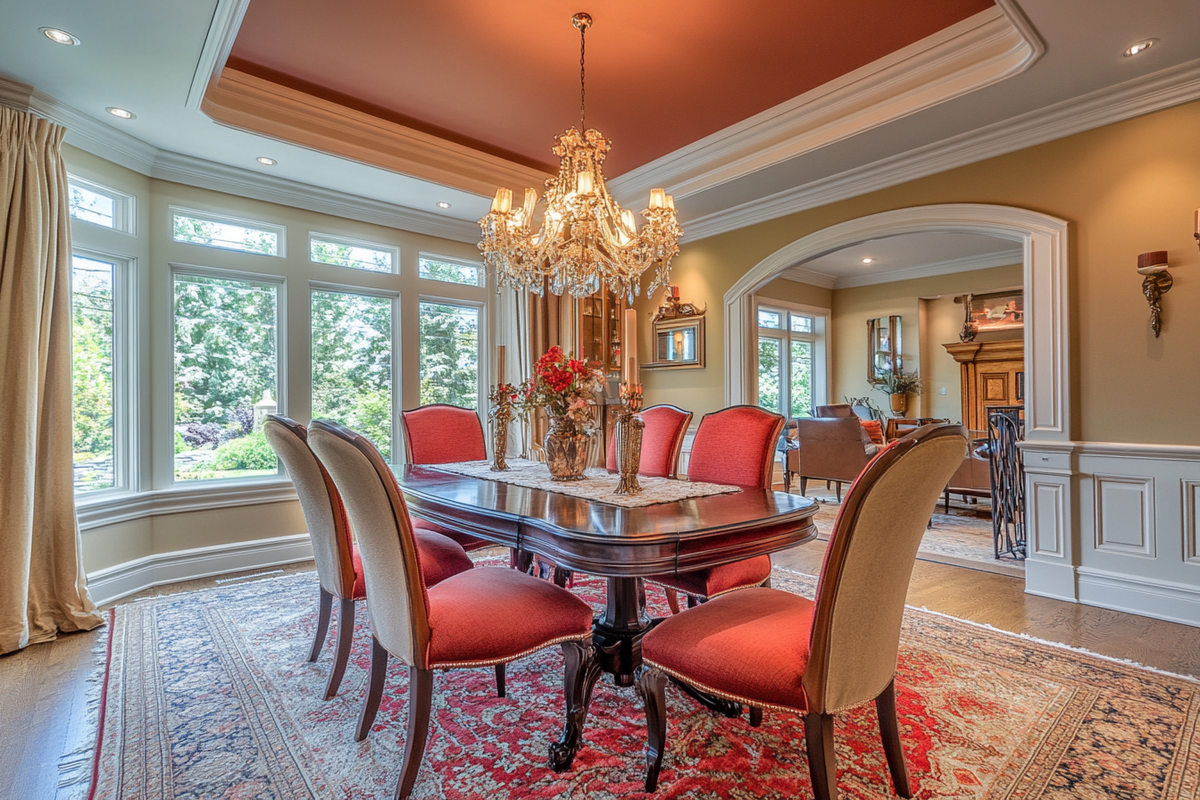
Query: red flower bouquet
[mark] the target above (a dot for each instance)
(565, 386)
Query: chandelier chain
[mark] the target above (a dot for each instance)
(582, 85)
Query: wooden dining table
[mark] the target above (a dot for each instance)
(620, 544)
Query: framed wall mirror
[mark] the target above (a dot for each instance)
(883, 347)
(677, 343)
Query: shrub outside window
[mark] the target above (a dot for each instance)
(449, 370)
(436, 268)
(93, 284)
(226, 233)
(342, 252)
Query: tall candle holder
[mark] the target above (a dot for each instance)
(628, 434)
(500, 416)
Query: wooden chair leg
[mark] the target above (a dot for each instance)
(345, 638)
(838, 490)
(561, 576)
(326, 605)
(500, 680)
(693, 601)
(804, 486)
(379, 662)
(756, 714)
(580, 671)
(420, 699)
(673, 600)
(946, 501)
(652, 685)
(889, 731)
(822, 765)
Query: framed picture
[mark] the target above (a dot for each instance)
(999, 311)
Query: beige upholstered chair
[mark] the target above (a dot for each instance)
(338, 567)
(476, 618)
(831, 449)
(773, 649)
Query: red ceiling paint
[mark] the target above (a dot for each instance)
(504, 77)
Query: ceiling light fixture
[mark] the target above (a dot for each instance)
(120, 112)
(266, 161)
(1140, 47)
(585, 241)
(867, 260)
(443, 204)
(59, 36)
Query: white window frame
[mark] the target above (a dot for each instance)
(280, 231)
(349, 242)
(281, 375)
(126, 434)
(124, 206)
(481, 344)
(820, 338)
(462, 262)
(397, 444)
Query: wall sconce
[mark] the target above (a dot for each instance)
(1157, 283)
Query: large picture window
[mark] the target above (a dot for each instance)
(449, 371)
(352, 363)
(226, 357)
(791, 359)
(93, 306)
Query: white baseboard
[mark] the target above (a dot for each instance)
(1174, 602)
(112, 583)
(1050, 579)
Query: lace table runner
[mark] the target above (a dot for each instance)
(597, 484)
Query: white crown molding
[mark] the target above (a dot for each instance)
(948, 267)
(985, 48)
(249, 103)
(272, 189)
(222, 31)
(1145, 95)
(808, 276)
(84, 132)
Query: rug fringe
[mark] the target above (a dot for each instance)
(75, 766)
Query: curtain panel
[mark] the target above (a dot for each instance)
(43, 590)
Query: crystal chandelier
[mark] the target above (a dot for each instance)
(585, 240)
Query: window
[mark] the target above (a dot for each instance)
(342, 252)
(352, 363)
(227, 233)
(93, 306)
(436, 268)
(449, 370)
(99, 205)
(227, 356)
(791, 359)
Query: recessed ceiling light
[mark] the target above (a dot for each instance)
(867, 260)
(120, 112)
(443, 204)
(1140, 47)
(266, 162)
(59, 36)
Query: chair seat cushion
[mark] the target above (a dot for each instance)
(493, 614)
(716, 581)
(751, 645)
(440, 557)
(467, 541)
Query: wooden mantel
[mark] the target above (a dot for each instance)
(993, 374)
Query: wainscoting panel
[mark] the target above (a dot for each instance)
(1049, 514)
(1124, 515)
(1191, 535)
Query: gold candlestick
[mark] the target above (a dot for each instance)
(500, 416)
(628, 432)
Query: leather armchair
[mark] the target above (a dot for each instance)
(831, 449)
(973, 478)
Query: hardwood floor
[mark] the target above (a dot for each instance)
(44, 689)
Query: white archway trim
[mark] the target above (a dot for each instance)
(1044, 241)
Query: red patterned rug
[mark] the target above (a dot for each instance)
(208, 695)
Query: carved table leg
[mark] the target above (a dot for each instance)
(579, 676)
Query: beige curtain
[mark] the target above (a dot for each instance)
(43, 590)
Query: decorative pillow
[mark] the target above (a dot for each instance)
(874, 429)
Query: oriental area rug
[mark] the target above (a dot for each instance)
(207, 695)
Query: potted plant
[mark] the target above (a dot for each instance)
(899, 385)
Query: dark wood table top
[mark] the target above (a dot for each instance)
(602, 539)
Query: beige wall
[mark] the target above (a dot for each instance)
(1125, 189)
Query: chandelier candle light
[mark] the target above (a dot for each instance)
(501, 414)
(585, 241)
(629, 427)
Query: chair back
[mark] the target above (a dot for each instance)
(833, 448)
(319, 499)
(440, 434)
(868, 565)
(395, 591)
(736, 446)
(662, 439)
(835, 410)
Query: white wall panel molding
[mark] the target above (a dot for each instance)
(1124, 514)
(1048, 508)
(1136, 97)
(110, 509)
(986, 48)
(1191, 531)
(113, 583)
(1148, 597)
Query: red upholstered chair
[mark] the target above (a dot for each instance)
(773, 649)
(441, 434)
(476, 618)
(338, 567)
(733, 446)
(662, 439)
